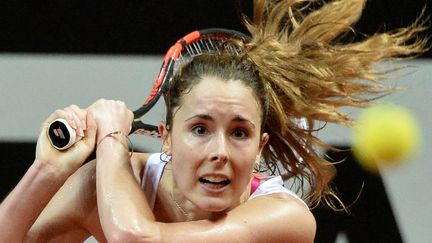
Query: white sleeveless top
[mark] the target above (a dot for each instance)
(155, 166)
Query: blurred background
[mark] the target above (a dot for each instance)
(57, 53)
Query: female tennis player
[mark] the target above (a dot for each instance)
(230, 140)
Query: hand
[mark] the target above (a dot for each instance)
(110, 116)
(68, 161)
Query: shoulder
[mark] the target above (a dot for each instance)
(291, 221)
(273, 185)
(300, 219)
(287, 218)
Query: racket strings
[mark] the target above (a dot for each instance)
(203, 46)
(215, 41)
(214, 44)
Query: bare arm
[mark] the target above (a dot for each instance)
(71, 215)
(277, 218)
(126, 217)
(48, 173)
(123, 208)
(24, 204)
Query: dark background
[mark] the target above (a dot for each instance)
(149, 27)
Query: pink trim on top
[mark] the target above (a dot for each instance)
(256, 181)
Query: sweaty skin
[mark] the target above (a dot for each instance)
(215, 135)
(104, 198)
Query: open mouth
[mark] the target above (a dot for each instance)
(214, 182)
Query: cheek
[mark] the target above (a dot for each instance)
(243, 166)
(185, 161)
(246, 159)
(184, 175)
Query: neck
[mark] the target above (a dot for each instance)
(181, 208)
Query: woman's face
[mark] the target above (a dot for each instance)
(215, 142)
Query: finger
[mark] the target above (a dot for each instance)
(81, 114)
(60, 113)
(75, 120)
(131, 118)
(90, 138)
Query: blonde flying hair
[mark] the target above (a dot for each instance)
(309, 73)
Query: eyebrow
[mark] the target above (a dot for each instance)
(236, 118)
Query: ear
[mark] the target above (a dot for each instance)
(166, 138)
(264, 139)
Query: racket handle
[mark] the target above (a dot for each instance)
(141, 128)
(61, 134)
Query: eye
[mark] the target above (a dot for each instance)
(240, 133)
(199, 130)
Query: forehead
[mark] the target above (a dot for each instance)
(214, 93)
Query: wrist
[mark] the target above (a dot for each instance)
(116, 135)
(51, 171)
(112, 140)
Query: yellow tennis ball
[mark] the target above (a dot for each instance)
(385, 136)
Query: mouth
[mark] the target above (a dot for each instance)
(214, 182)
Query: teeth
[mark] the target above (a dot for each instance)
(215, 179)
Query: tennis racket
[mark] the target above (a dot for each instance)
(196, 43)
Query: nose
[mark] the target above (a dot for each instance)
(219, 151)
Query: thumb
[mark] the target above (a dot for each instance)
(90, 137)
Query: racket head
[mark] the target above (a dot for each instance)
(199, 42)
(196, 43)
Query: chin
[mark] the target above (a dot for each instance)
(214, 205)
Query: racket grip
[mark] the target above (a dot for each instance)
(61, 134)
(139, 127)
